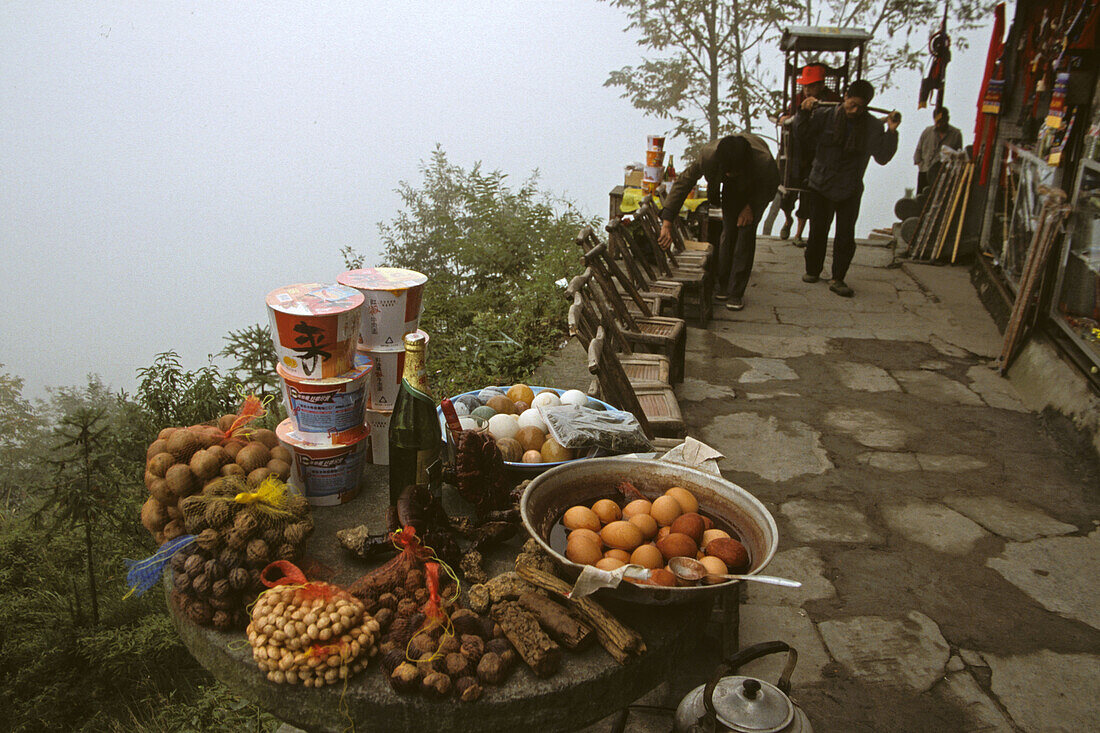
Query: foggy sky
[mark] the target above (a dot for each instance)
(164, 165)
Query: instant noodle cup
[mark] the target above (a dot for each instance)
(393, 300)
(326, 475)
(315, 328)
(385, 380)
(648, 186)
(655, 142)
(654, 157)
(327, 410)
(378, 421)
(653, 173)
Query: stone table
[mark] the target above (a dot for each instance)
(590, 685)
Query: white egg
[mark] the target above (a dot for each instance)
(547, 399)
(461, 409)
(503, 426)
(532, 419)
(574, 397)
(469, 423)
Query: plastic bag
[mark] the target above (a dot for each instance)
(581, 427)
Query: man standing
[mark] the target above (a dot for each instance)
(843, 137)
(742, 179)
(798, 157)
(927, 154)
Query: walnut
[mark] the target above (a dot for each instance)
(449, 645)
(422, 646)
(407, 607)
(245, 524)
(421, 596)
(214, 569)
(384, 616)
(222, 620)
(193, 564)
(405, 677)
(465, 622)
(457, 665)
(236, 541)
(221, 589)
(218, 514)
(285, 551)
(387, 600)
(258, 553)
(201, 584)
(178, 561)
(239, 578)
(491, 670)
(437, 684)
(414, 579)
(468, 689)
(298, 506)
(272, 536)
(297, 533)
(181, 582)
(473, 647)
(193, 510)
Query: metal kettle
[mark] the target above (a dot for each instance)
(732, 702)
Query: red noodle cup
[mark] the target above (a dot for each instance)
(654, 157)
(648, 186)
(315, 327)
(327, 411)
(326, 475)
(385, 379)
(655, 142)
(378, 421)
(393, 300)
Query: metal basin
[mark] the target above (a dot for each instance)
(582, 482)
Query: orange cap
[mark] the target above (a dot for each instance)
(812, 73)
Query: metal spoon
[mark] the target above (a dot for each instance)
(692, 570)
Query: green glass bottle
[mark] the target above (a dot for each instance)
(415, 436)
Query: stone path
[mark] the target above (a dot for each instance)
(946, 536)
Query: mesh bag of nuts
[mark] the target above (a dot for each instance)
(309, 633)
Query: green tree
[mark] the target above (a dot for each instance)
(174, 396)
(492, 254)
(252, 355)
(715, 64)
(22, 431)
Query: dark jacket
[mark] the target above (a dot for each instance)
(842, 149)
(762, 179)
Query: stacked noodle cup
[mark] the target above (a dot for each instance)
(654, 157)
(393, 299)
(315, 328)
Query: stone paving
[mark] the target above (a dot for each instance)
(946, 536)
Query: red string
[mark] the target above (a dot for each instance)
(433, 609)
(292, 575)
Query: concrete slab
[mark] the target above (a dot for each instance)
(828, 521)
(1046, 691)
(933, 525)
(776, 347)
(934, 365)
(1010, 520)
(697, 390)
(947, 348)
(936, 387)
(1060, 573)
(952, 463)
(763, 445)
(770, 395)
(972, 658)
(981, 714)
(803, 564)
(766, 370)
(864, 377)
(888, 461)
(792, 625)
(994, 389)
(872, 429)
(909, 652)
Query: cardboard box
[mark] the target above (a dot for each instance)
(633, 179)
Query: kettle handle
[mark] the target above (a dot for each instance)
(745, 656)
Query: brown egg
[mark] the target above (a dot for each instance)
(521, 392)
(665, 510)
(583, 532)
(684, 498)
(501, 404)
(713, 534)
(690, 524)
(510, 449)
(648, 556)
(677, 545)
(531, 438)
(646, 523)
(662, 533)
(621, 535)
(581, 516)
(583, 551)
(662, 577)
(714, 566)
(521, 406)
(607, 510)
(638, 506)
(553, 451)
(532, 456)
(731, 552)
(618, 555)
(609, 563)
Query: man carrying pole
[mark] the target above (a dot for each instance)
(844, 137)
